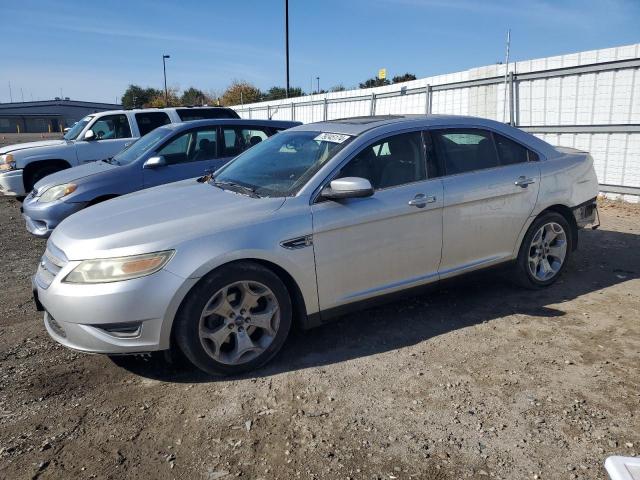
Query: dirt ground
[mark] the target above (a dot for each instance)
(477, 379)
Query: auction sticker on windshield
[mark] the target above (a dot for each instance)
(331, 137)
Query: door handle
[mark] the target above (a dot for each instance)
(523, 181)
(421, 200)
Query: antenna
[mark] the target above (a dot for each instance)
(506, 73)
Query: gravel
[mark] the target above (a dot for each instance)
(475, 379)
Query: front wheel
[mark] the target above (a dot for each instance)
(235, 320)
(544, 252)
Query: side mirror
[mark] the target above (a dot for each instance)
(348, 187)
(89, 135)
(155, 162)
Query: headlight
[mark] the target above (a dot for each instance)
(7, 162)
(106, 270)
(57, 192)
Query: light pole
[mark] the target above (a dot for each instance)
(286, 39)
(164, 69)
(318, 80)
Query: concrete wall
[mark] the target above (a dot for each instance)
(602, 99)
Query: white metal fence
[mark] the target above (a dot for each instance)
(587, 100)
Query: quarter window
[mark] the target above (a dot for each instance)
(149, 121)
(394, 161)
(111, 127)
(466, 150)
(510, 152)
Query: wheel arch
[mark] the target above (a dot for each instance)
(567, 213)
(31, 167)
(297, 299)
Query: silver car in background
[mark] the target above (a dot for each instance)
(315, 221)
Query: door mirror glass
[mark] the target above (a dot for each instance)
(348, 187)
(89, 135)
(155, 162)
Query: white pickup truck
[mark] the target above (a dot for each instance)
(97, 136)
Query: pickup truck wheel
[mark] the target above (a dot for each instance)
(36, 175)
(235, 320)
(544, 252)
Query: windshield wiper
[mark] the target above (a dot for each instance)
(235, 187)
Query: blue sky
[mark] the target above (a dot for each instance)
(93, 50)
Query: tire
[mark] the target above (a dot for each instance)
(219, 331)
(536, 248)
(37, 175)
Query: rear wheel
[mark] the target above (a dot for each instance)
(545, 251)
(235, 320)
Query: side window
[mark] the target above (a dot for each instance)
(177, 150)
(149, 121)
(205, 146)
(394, 161)
(465, 150)
(111, 127)
(510, 152)
(237, 140)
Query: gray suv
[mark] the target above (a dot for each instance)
(312, 222)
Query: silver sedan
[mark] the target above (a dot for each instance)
(313, 222)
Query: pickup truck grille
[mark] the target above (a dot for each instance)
(50, 265)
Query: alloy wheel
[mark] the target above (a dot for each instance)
(547, 251)
(239, 322)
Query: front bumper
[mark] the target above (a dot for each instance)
(42, 218)
(131, 316)
(11, 183)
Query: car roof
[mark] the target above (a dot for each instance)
(357, 126)
(159, 109)
(212, 122)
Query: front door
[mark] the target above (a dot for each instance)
(490, 189)
(370, 246)
(111, 134)
(188, 155)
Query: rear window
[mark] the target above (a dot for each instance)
(149, 121)
(188, 114)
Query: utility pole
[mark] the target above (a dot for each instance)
(164, 70)
(286, 40)
(22, 94)
(10, 94)
(506, 74)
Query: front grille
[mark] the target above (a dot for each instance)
(50, 265)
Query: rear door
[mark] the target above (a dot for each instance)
(149, 121)
(490, 189)
(111, 134)
(188, 155)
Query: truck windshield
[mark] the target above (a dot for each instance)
(140, 147)
(282, 164)
(73, 133)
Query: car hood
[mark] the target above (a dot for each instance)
(72, 175)
(156, 219)
(23, 146)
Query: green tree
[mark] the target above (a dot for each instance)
(278, 93)
(240, 92)
(337, 88)
(193, 96)
(375, 82)
(159, 100)
(138, 97)
(403, 78)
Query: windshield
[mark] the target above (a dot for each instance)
(74, 131)
(140, 147)
(281, 165)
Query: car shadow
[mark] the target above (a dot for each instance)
(604, 258)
